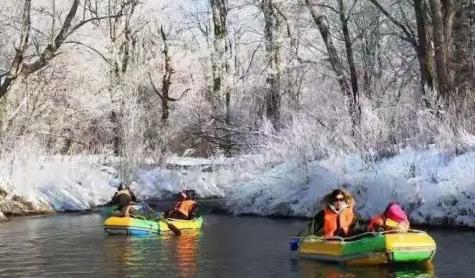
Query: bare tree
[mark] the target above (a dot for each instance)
(164, 93)
(221, 69)
(442, 17)
(273, 43)
(344, 17)
(418, 42)
(442, 20)
(22, 65)
(369, 32)
(422, 46)
(122, 36)
(463, 58)
(333, 57)
(122, 33)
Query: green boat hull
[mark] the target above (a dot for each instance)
(371, 249)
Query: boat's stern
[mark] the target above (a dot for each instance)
(182, 224)
(130, 226)
(414, 246)
(371, 248)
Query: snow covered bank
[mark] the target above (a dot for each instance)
(32, 184)
(209, 178)
(45, 184)
(433, 186)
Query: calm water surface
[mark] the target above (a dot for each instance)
(75, 245)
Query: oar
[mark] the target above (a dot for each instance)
(172, 227)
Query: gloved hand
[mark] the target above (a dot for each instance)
(294, 244)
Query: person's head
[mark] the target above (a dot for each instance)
(132, 186)
(183, 195)
(394, 212)
(338, 198)
(121, 186)
(191, 194)
(188, 194)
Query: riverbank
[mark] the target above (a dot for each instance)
(434, 187)
(12, 205)
(216, 206)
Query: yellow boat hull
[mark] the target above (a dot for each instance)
(371, 248)
(139, 226)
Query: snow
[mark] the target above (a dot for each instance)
(160, 182)
(434, 186)
(65, 183)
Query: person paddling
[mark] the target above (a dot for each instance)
(337, 217)
(124, 198)
(393, 218)
(186, 208)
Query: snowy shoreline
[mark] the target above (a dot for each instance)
(434, 187)
(96, 210)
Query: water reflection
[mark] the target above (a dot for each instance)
(185, 252)
(164, 253)
(120, 251)
(312, 268)
(66, 246)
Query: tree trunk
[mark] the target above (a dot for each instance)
(166, 79)
(355, 105)
(419, 43)
(422, 46)
(462, 58)
(439, 22)
(121, 35)
(335, 62)
(116, 138)
(5, 85)
(17, 62)
(221, 71)
(221, 94)
(272, 35)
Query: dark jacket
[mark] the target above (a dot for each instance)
(122, 199)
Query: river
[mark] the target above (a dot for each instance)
(75, 245)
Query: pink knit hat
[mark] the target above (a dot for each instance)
(395, 212)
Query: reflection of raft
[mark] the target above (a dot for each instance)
(371, 248)
(141, 226)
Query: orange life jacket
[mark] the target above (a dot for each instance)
(332, 221)
(186, 207)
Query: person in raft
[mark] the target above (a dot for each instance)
(186, 208)
(337, 217)
(124, 198)
(393, 218)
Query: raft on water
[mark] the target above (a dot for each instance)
(371, 248)
(141, 226)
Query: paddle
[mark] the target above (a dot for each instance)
(172, 227)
